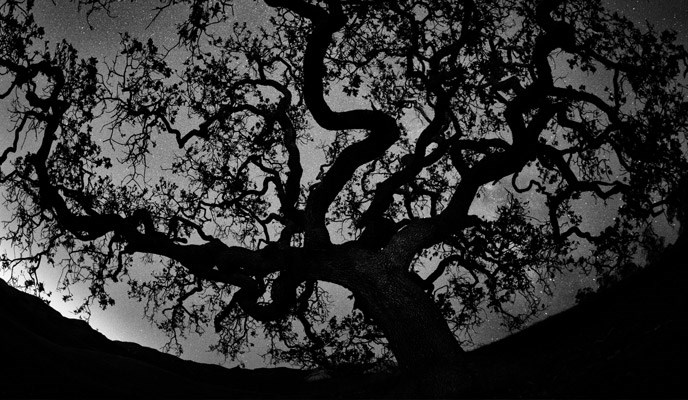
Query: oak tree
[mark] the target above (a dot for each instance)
(342, 142)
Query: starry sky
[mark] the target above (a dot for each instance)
(99, 37)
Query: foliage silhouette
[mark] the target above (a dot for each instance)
(559, 101)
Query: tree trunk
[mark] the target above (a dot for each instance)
(424, 346)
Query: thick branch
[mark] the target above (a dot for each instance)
(383, 130)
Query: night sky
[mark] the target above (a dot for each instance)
(99, 37)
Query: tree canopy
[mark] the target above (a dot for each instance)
(342, 141)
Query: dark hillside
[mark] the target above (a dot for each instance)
(45, 355)
(626, 341)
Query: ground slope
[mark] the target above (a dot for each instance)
(43, 354)
(630, 340)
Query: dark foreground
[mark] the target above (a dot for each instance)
(628, 341)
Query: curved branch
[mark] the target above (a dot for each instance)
(575, 186)
(282, 299)
(532, 183)
(439, 271)
(581, 96)
(384, 191)
(13, 147)
(382, 128)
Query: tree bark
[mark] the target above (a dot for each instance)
(429, 355)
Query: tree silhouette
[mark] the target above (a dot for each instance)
(557, 101)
